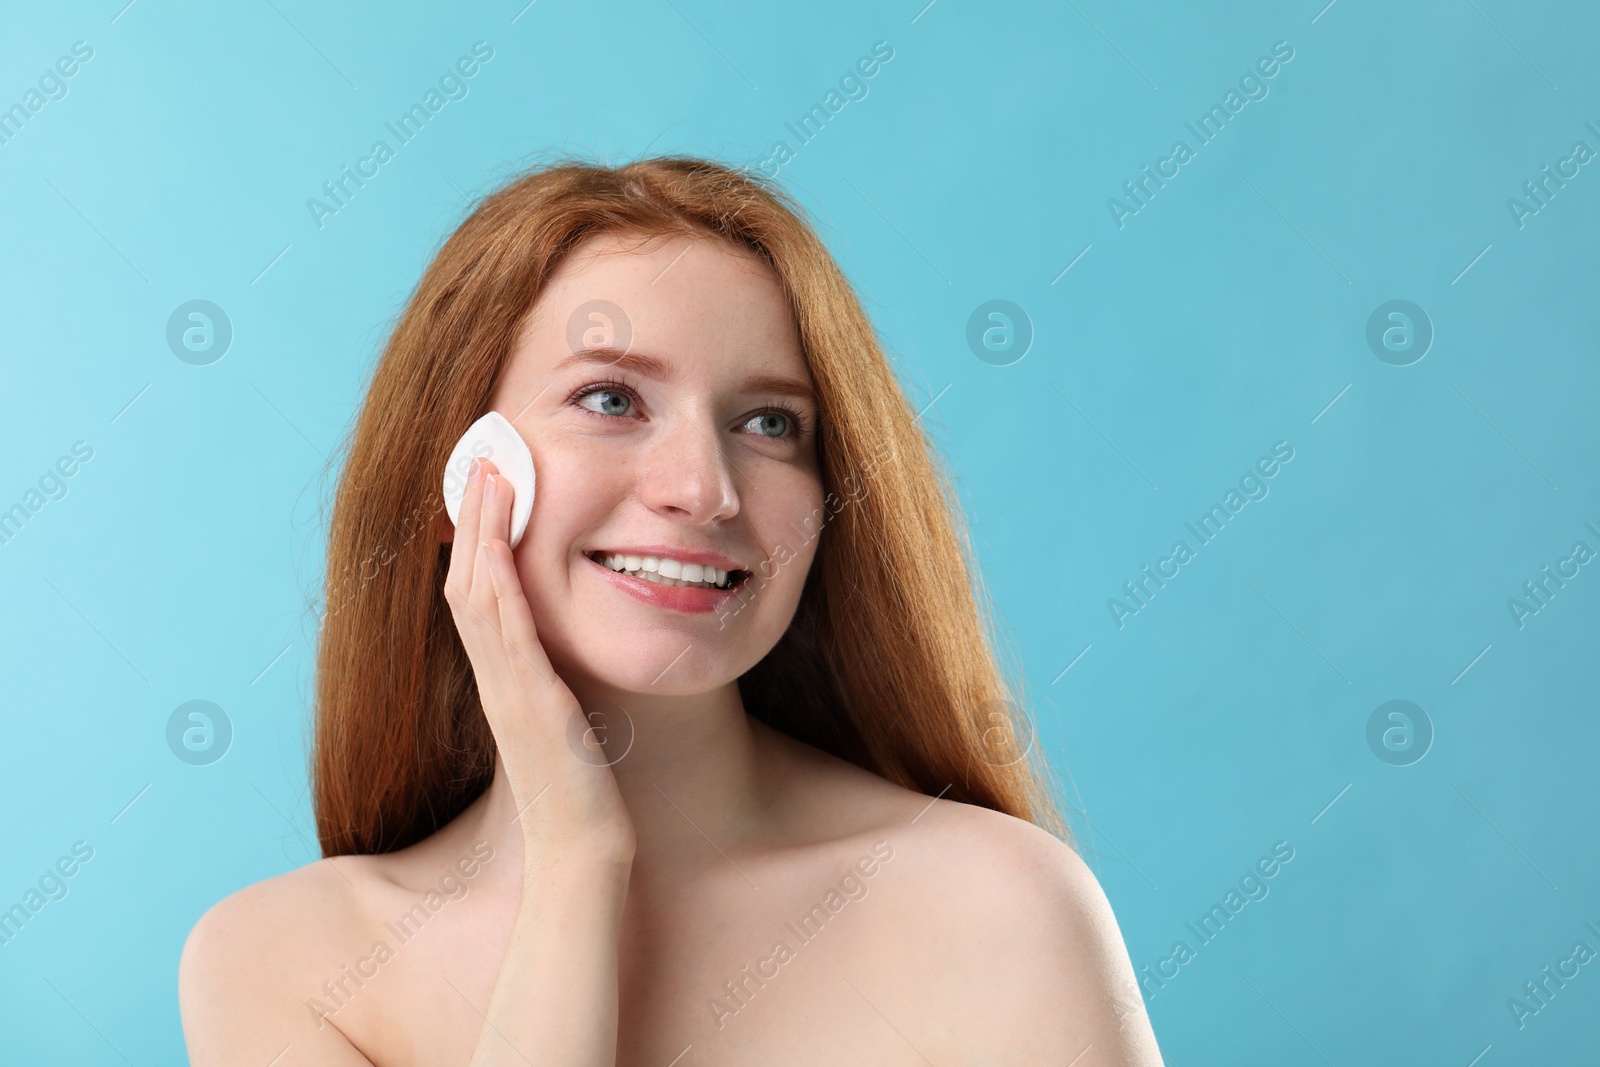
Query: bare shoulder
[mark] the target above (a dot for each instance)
(999, 852)
(250, 959)
(1015, 911)
(999, 939)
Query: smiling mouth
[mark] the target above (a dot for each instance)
(670, 572)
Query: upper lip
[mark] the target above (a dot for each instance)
(686, 555)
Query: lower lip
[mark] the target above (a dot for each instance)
(672, 597)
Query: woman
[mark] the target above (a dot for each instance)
(705, 770)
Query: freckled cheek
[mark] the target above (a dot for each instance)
(790, 517)
(573, 493)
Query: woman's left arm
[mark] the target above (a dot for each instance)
(1044, 975)
(1100, 1012)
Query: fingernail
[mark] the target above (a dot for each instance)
(475, 470)
(489, 491)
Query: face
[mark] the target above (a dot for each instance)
(689, 445)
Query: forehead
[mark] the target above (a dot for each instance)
(693, 300)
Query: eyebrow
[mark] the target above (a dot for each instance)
(652, 367)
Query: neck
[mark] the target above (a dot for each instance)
(696, 772)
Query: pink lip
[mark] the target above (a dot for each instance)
(671, 597)
(684, 554)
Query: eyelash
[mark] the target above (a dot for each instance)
(797, 418)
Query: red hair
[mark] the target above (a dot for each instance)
(889, 662)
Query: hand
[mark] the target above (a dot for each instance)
(571, 807)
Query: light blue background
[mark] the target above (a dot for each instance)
(1227, 315)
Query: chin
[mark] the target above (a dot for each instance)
(655, 664)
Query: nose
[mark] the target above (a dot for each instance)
(689, 475)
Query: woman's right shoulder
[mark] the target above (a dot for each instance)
(254, 964)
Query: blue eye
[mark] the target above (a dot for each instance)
(611, 402)
(770, 424)
(619, 401)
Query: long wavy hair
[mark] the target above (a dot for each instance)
(890, 661)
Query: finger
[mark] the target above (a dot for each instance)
(464, 548)
(481, 596)
(460, 557)
(494, 520)
(493, 515)
(516, 616)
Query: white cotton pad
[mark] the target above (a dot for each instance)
(494, 438)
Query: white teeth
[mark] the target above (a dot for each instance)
(666, 571)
